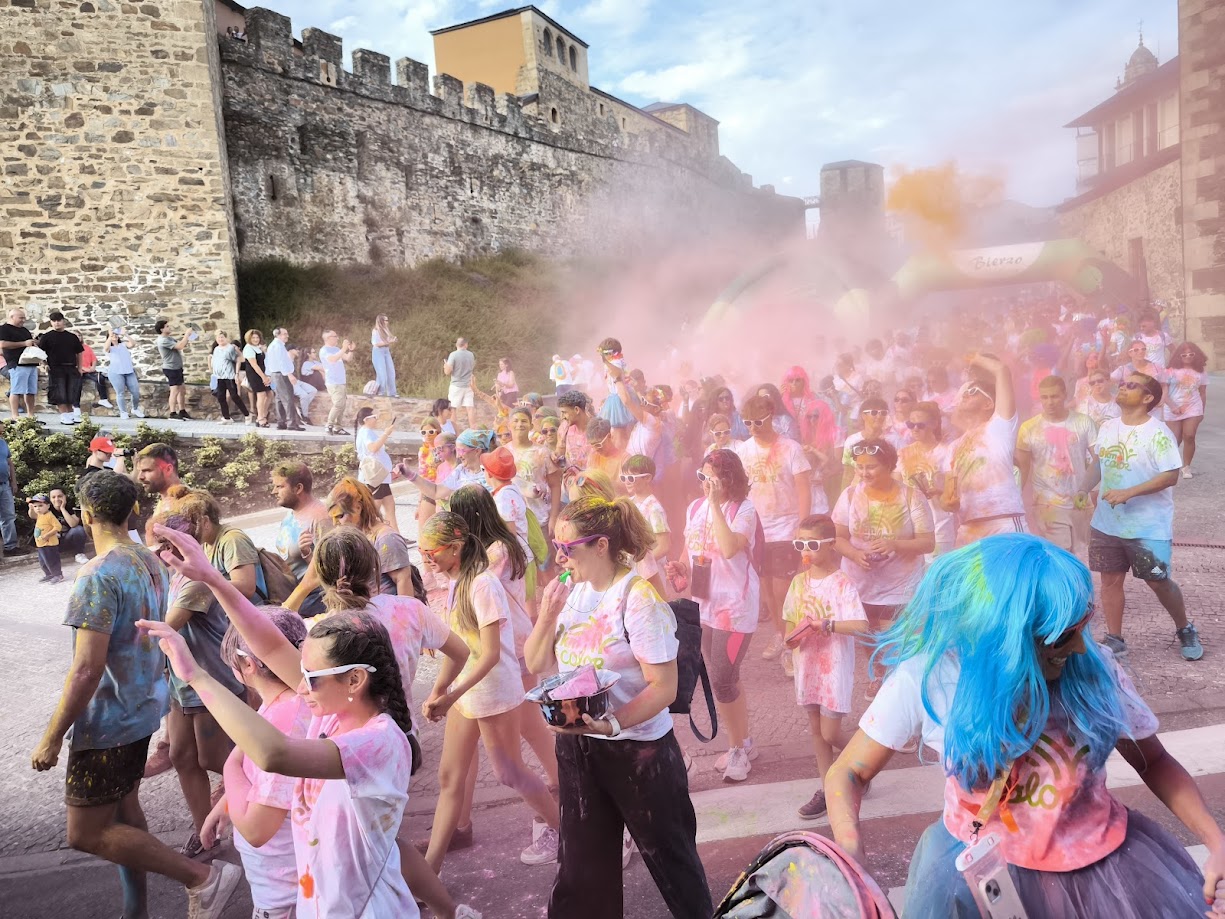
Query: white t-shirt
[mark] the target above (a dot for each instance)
(644, 439)
(593, 628)
(413, 628)
(1129, 456)
(501, 689)
(535, 465)
(345, 829)
(653, 512)
(516, 594)
(334, 373)
(272, 869)
(365, 439)
(891, 582)
(735, 588)
(982, 460)
(771, 471)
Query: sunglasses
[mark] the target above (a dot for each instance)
(430, 553)
(703, 477)
(596, 444)
(548, 429)
(1069, 634)
(311, 675)
(429, 431)
(565, 548)
(630, 478)
(1130, 384)
(861, 450)
(976, 391)
(917, 425)
(755, 423)
(874, 412)
(727, 433)
(810, 545)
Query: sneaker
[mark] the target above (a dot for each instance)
(788, 663)
(138, 412)
(814, 808)
(249, 420)
(183, 416)
(721, 762)
(543, 851)
(59, 579)
(194, 849)
(627, 848)
(82, 558)
(464, 911)
(123, 416)
(68, 419)
(159, 762)
(226, 421)
(738, 765)
(44, 579)
(105, 403)
(773, 648)
(1116, 644)
(342, 432)
(76, 413)
(1188, 637)
(1186, 472)
(209, 900)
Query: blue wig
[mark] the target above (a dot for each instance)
(986, 605)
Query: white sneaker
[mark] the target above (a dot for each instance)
(76, 413)
(138, 412)
(627, 848)
(738, 765)
(105, 403)
(67, 419)
(543, 850)
(721, 762)
(82, 558)
(464, 911)
(209, 900)
(123, 416)
(788, 663)
(1186, 472)
(226, 421)
(774, 648)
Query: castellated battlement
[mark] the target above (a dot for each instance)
(335, 165)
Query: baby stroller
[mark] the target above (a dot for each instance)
(804, 876)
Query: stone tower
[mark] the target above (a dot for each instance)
(115, 192)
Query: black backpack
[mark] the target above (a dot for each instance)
(689, 664)
(690, 667)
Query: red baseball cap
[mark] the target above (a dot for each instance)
(104, 444)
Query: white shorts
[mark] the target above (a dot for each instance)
(461, 396)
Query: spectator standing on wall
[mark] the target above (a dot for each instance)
(23, 381)
(278, 362)
(459, 365)
(226, 361)
(335, 354)
(381, 341)
(122, 373)
(63, 368)
(171, 352)
(91, 374)
(258, 380)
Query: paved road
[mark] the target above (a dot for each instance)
(39, 877)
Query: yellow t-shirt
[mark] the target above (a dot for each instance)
(46, 530)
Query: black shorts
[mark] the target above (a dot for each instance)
(781, 561)
(98, 777)
(173, 377)
(63, 385)
(380, 491)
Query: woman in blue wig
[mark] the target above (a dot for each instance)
(992, 666)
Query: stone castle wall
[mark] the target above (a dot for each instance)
(328, 165)
(1146, 208)
(114, 191)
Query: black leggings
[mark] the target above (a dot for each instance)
(230, 387)
(607, 785)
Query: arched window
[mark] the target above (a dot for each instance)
(561, 51)
(548, 43)
(573, 59)
(554, 116)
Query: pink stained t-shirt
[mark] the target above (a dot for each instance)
(771, 472)
(413, 628)
(516, 594)
(982, 460)
(824, 663)
(735, 587)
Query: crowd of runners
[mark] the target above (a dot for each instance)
(906, 515)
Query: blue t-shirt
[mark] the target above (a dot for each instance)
(110, 594)
(4, 462)
(333, 371)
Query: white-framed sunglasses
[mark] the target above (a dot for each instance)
(311, 675)
(810, 545)
(629, 478)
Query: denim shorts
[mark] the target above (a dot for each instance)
(23, 381)
(1148, 559)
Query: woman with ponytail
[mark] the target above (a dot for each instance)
(356, 758)
(625, 769)
(352, 504)
(993, 666)
(483, 701)
(509, 564)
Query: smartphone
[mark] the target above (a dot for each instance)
(991, 885)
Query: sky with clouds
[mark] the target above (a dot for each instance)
(798, 83)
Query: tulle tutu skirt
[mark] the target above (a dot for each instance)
(1149, 876)
(615, 413)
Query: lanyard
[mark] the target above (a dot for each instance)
(995, 799)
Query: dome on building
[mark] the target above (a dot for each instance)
(1142, 62)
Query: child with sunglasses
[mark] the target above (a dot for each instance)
(637, 478)
(823, 613)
